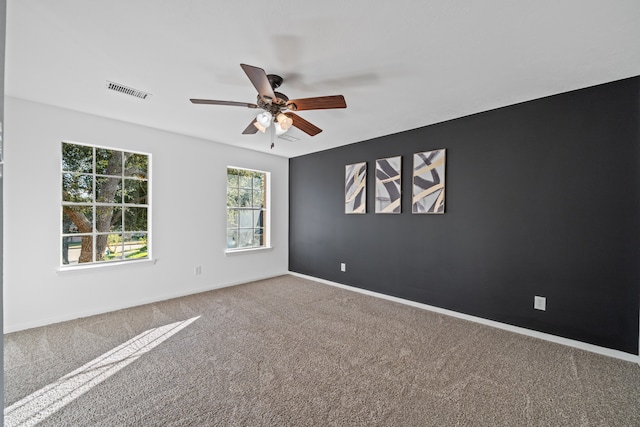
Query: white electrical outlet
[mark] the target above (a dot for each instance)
(198, 270)
(343, 266)
(540, 303)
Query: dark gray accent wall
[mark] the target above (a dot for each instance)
(542, 198)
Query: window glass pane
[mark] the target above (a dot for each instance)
(108, 218)
(135, 246)
(77, 158)
(135, 191)
(258, 198)
(108, 162)
(244, 198)
(232, 178)
(108, 189)
(232, 197)
(77, 187)
(257, 218)
(232, 218)
(232, 238)
(77, 219)
(77, 249)
(258, 180)
(109, 247)
(245, 179)
(71, 248)
(246, 218)
(258, 237)
(245, 238)
(136, 165)
(135, 219)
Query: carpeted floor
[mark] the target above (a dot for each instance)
(292, 352)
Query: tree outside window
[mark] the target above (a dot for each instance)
(105, 204)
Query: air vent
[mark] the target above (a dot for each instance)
(127, 90)
(288, 138)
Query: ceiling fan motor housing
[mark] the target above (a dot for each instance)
(274, 106)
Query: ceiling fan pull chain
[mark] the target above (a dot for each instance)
(273, 136)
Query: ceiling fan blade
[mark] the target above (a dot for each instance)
(317, 103)
(259, 79)
(303, 125)
(251, 129)
(214, 102)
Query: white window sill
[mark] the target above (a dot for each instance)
(247, 250)
(115, 265)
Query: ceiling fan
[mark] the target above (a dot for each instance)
(277, 108)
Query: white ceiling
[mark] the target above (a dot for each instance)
(400, 64)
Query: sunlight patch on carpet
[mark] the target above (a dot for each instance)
(39, 405)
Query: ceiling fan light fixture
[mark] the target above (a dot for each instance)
(260, 127)
(284, 121)
(264, 119)
(280, 130)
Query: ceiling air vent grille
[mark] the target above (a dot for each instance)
(127, 90)
(288, 138)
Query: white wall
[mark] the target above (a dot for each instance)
(188, 225)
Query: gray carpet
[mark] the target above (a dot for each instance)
(292, 352)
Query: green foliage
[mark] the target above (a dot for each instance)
(136, 165)
(77, 158)
(135, 219)
(140, 253)
(133, 247)
(77, 188)
(108, 162)
(245, 188)
(135, 191)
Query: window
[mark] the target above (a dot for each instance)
(105, 205)
(246, 209)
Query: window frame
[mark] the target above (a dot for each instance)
(94, 204)
(266, 212)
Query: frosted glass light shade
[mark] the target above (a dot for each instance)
(279, 129)
(264, 119)
(259, 126)
(285, 121)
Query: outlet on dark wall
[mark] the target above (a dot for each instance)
(542, 198)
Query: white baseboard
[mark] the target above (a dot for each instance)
(548, 337)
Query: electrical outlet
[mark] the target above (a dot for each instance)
(198, 270)
(540, 303)
(343, 266)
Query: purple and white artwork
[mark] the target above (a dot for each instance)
(355, 188)
(388, 185)
(428, 182)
